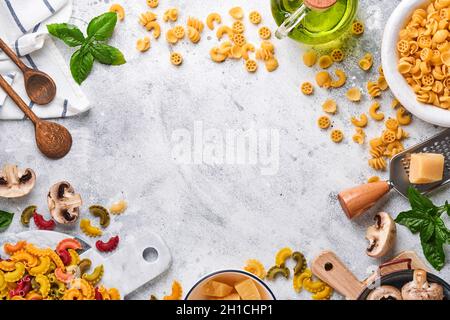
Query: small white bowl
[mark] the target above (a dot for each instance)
(229, 276)
(398, 85)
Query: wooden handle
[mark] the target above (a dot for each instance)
(357, 200)
(13, 56)
(330, 269)
(18, 100)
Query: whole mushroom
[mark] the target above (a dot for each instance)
(385, 293)
(381, 236)
(64, 204)
(421, 289)
(15, 182)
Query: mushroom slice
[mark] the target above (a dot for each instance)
(64, 204)
(421, 289)
(385, 293)
(381, 236)
(15, 182)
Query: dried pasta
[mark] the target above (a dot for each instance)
(194, 35)
(359, 137)
(170, 14)
(337, 136)
(264, 33)
(310, 58)
(307, 88)
(282, 256)
(378, 163)
(325, 62)
(118, 207)
(153, 3)
(373, 89)
(94, 277)
(212, 19)
(329, 106)
(403, 117)
(337, 55)
(119, 10)
(373, 179)
(324, 122)
(255, 17)
(354, 94)
(238, 27)
(88, 229)
(323, 79)
(27, 214)
(251, 65)
(246, 48)
(195, 23)
(143, 44)
(341, 80)
(222, 30)
(177, 292)
(255, 267)
(424, 54)
(146, 18)
(271, 64)
(217, 55)
(176, 58)
(361, 122)
(155, 28)
(357, 28)
(366, 62)
(374, 113)
(236, 13)
(171, 37)
(179, 32)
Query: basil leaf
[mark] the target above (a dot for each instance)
(434, 252)
(81, 64)
(413, 220)
(106, 54)
(418, 201)
(6, 219)
(428, 229)
(442, 233)
(70, 34)
(102, 27)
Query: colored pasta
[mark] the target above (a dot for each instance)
(108, 246)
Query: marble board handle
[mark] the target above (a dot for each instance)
(356, 201)
(330, 269)
(139, 260)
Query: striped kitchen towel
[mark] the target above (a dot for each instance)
(23, 27)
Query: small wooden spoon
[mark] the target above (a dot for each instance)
(52, 139)
(39, 86)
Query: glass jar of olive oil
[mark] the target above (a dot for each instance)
(311, 26)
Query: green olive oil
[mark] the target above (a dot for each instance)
(317, 27)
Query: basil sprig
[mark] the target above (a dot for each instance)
(5, 219)
(425, 219)
(91, 48)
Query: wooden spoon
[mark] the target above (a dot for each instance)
(39, 86)
(52, 139)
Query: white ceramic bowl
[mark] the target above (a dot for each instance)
(229, 276)
(397, 83)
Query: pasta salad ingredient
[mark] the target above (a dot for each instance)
(32, 277)
(93, 48)
(337, 136)
(64, 203)
(16, 182)
(255, 17)
(357, 28)
(118, 207)
(43, 224)
(108, 246)
(237, 13)
(177, 292)
(212, 19)
(6, 219)
(119, 10)
(143, 44)
(307, 88)
(176, 58)
(425, 219)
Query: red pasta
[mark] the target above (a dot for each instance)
(43, 224)
(98, 295)
(68, 243)
(65, 257)
(23, 287)
(109, 246)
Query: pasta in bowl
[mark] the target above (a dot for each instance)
(414, 50)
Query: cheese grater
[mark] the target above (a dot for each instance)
(357, 200)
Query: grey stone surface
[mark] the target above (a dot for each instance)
(217, 216)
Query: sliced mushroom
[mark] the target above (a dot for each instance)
(64, 204)
(381, 236)
(421, 289)
(385, 293)
(15, 182)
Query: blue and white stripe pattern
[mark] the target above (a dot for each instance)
(9, 77)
